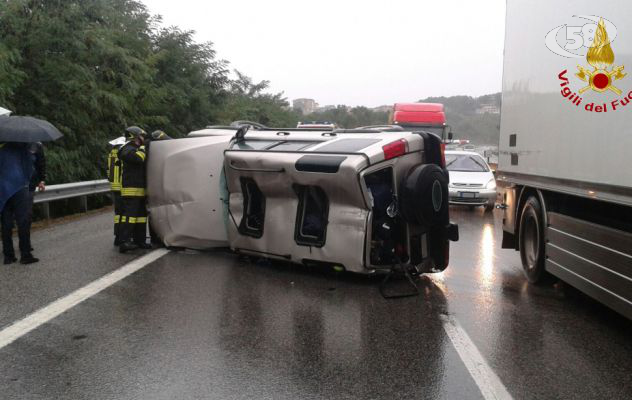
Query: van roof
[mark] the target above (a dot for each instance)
(230, 131)
(367, 142)
(370, 145)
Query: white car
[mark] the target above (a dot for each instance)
(472, 182)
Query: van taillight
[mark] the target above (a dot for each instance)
(394, 149)
(443, 155)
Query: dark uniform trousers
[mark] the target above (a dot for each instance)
(118, 210)
(16, 208)
(133, 221)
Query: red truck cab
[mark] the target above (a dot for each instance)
(429, 117)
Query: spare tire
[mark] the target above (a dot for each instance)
(424, 195)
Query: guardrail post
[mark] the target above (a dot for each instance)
(46, 209)
(84, 203)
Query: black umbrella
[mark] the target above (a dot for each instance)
(27, 130)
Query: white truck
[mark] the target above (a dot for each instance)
(566, 142)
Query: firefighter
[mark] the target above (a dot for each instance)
(115, 173)
(133, 222)
(159, 135)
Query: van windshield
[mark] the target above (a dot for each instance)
(465, 163)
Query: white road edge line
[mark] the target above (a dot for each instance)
(20, 328)
(487, 381)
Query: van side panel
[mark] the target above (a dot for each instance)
(276, 178)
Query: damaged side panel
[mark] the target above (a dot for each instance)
(296, 205)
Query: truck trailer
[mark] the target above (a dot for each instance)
(565, 144)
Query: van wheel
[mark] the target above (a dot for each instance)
(424, 195)
(532, 241)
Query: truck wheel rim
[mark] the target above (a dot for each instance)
(531, 241)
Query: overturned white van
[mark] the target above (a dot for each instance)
(362, 200)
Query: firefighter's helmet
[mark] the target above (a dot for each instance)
(133, 132)
(159, 135)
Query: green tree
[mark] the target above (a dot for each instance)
(247, 100)
(83, 69)
(10, 75)
(189, 83)
(347, 117)
(93, 67)
(466, 123)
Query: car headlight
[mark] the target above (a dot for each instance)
(491, 184)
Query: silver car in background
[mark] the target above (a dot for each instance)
(472, 182)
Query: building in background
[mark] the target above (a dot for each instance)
(305, 106)
(488, 109)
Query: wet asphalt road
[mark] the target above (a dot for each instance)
(210, 325)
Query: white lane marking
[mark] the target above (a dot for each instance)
(487, 381)
(59, 306)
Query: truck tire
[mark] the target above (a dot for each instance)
(531, 237)
(424, 195)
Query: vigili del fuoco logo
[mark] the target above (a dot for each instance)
(600, 76)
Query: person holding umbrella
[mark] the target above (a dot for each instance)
(16, 170)
(16, 167)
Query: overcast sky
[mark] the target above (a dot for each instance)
(353, 52)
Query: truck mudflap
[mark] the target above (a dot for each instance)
(452, 232)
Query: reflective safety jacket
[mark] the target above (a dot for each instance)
(115, 170)
(134, 178)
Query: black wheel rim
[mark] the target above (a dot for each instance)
(437, 196)
(531, 242)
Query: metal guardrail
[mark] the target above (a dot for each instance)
(71, 190)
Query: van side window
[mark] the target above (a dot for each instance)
(312, 216)
(254, 209)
